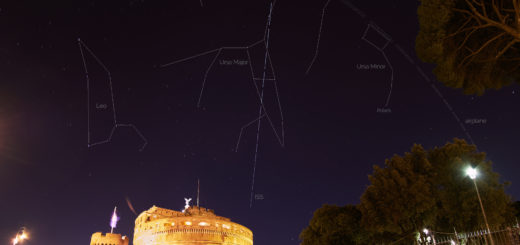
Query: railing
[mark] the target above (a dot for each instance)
(503, 236)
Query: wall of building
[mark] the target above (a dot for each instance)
(99, 238)
(196, 226)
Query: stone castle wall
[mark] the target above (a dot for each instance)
(99, 238)
(195, 226)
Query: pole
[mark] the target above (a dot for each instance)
(198, 191)
(483, 213)
(456, 236)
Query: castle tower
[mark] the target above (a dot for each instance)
(99, 238)
(194, 225)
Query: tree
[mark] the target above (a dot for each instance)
(430, 189)
(457, 202)
(333, 225)
(400, 199)
(474, 43)
(421, 189)
(516, 207)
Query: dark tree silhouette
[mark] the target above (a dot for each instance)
(334, 225)
(474, 43)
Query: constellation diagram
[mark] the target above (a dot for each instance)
(319, 38)
(381, 45)
(380, 42)
(265, 74)
(419, 70)
(115, 123)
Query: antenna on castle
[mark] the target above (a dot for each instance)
(198, 191)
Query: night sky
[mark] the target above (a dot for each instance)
(63, 191)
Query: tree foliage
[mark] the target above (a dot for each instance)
(420, 189)
(430, 189)
(457, 200)
(474, 43)
(399, 199)
(516, 207)
(334, 225)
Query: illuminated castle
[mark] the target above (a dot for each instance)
(99, 238)
(194, 225)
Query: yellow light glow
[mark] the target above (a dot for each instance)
(226, 226)
(187, 222)
(23, 236)
(203, 224)
(173, 223)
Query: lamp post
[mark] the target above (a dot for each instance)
(472, 173)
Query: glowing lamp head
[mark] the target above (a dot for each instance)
(15, 240)
(425, 231)
(471, 172)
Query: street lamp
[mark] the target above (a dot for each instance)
(20, 237)
(428, 238)
(472, 173)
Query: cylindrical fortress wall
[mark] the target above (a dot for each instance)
(196, 225)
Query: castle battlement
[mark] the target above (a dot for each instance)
(100, 238)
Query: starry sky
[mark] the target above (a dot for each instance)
(337, 124)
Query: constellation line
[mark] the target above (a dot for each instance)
(419, 70)
(355, 9)
(382, 51)
(280, 138)
(319, 38)
(116, 125)
(242, 130)
(261, 106)
(263, 113)
(206, 77)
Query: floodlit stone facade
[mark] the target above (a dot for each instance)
(99, 238)
(196, 225)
